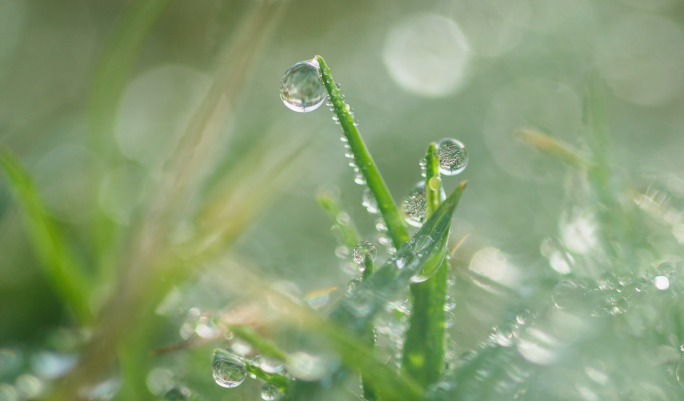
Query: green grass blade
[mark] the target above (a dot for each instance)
(56, 259)
(395, 223)
(423, 356)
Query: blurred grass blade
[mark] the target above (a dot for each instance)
(115, 67)
(331, 202)
(467, 380)
(553, 147)
(109, 84)
(48, 242)
(395, 223)
(356, 311)
(423, 353)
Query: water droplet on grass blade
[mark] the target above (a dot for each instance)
(269, 392)
(228, 369)
(415, 205)
(566, 294)
(453, 156)
(369, 201)
(301, 88)
(363, 249)
(270, 364)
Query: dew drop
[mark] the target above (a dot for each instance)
(680, 373)
(359, 178)
(228, 369)
(301, 88)
(505, 334)
(241, 347)
(449, 304)
(523, 317)
(452, 155)
(380, 225)
(269, 392)
(566, 294)
(353, 283)
(415, 205)
(369, 201)
(270, 364)
(363, 249)
(661, 282)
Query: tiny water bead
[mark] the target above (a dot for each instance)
(228, 369)
(301, 88)
(363, 249)
(452, 155)
(369, 201)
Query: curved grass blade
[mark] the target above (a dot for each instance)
(395, 224)
(56, 259)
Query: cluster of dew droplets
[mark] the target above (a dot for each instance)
(453, 159)
(364, 252)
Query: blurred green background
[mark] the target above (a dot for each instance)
(415, 72)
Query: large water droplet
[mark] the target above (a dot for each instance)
(415, 204)
(369, 201)
(363, 249)
(269, 392)
(453, 156)
(229, 369)
(301, 88)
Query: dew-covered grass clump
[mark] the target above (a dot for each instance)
(186, 237)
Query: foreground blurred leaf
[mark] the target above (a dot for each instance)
(56, 259)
